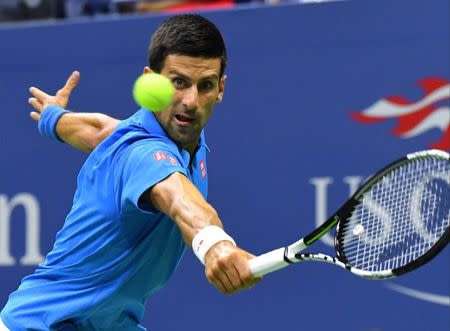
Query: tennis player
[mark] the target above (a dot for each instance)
(140, 200)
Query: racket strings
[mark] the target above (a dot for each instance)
(405, 237)
(400, 218)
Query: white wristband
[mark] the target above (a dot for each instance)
(207, 238)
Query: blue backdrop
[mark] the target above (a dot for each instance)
(291, 140)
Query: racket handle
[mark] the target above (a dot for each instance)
(268, 262)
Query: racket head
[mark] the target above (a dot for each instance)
(399, 219)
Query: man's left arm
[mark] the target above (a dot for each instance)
(83, 131)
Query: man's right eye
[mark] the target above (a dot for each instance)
(179, 82)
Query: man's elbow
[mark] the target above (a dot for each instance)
(104, 129)
(98, 138)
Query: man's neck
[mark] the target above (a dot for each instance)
(191, 148)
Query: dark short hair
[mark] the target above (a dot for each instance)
(187, 34)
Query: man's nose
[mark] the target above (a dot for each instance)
(190, 98)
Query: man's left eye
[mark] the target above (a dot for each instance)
(206, 85)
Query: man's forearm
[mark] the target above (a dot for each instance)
(197, 220)
(226, 265)
(84, 131)
(178, 198)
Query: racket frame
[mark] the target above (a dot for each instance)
(282, 257)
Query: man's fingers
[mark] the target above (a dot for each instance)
(232, 271)
(245, 273)
(212, 279)
(61, 98)
(38, 94)
(227, 265)
(71, 83)
(224, 279)
(36, 104)
(232, 275)
(36, 116)
(245, 281)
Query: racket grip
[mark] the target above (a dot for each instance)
(268, 262)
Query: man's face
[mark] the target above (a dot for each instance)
(198, 88)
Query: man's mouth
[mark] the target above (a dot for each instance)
(183, 119)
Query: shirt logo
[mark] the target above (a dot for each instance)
(158, 156)
(173, 160)
(203, 169)
(432, 111)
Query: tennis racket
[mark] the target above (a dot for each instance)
(396, 222)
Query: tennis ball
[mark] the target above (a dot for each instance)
(153, 91)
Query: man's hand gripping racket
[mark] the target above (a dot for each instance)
(396, 222)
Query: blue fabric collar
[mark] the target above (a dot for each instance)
(151, 125)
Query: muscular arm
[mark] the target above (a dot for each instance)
(178, 198)
(80, 130)
(85, 131)
(226, 266)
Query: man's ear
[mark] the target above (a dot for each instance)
(221, 89)
(147, 70)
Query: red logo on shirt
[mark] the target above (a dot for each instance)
(173, 160)
(203, 168)
(158, 156)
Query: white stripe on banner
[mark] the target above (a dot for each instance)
(386, 109)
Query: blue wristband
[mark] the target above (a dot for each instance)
(49, 119)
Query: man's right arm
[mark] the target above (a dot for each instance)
(226, 266)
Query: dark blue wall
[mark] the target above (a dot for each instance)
(284, 129)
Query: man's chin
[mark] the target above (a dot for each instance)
(184, 140)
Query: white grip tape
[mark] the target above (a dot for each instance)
(268, 262)
(207, 238)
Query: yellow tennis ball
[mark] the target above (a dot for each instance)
(153, 91)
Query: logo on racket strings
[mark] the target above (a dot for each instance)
(322, 187)
(389, 233)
